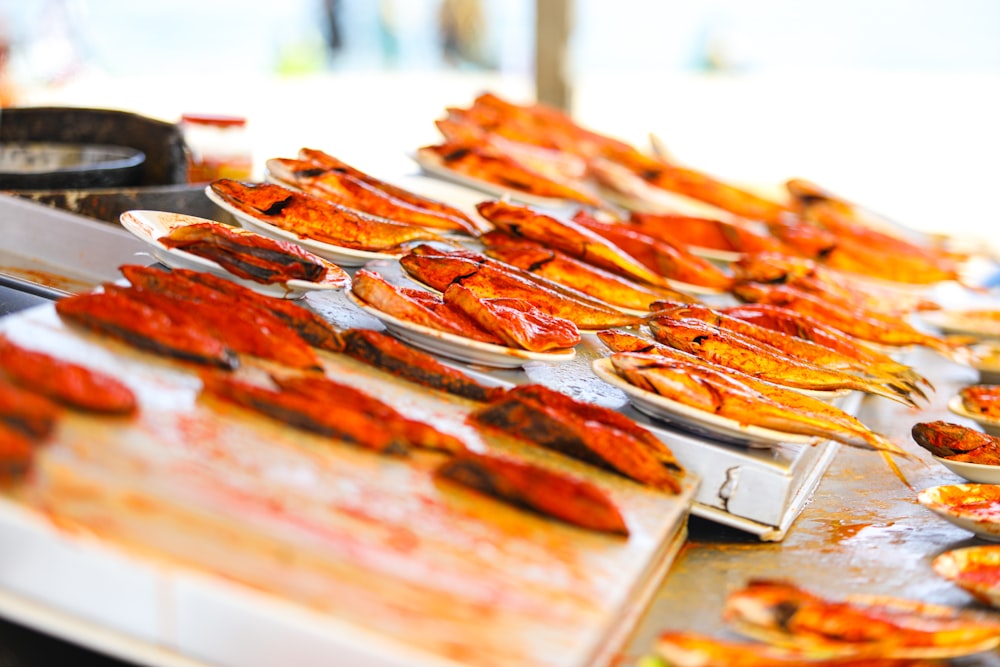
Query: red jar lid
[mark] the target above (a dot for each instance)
(213, 119)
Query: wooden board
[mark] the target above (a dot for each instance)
(282, 536)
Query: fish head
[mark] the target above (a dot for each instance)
(438, 270)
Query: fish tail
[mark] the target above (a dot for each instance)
(891, 462)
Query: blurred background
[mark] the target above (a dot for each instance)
(893, 102)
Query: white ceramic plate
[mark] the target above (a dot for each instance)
(149, 226)
(974, 507)
(974, 472)
(431, 163)
(456, 347)
(991, 426)
(976, 569)
(986, 360)
(337, 254)
(963, 322)
(692, 419)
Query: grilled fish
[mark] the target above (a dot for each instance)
(745, 399)
(249, 255)
(559, 267)
(143, 326)
(64, 382)
(313, 218)
(559, 495)
(488, 280)
(343, 188)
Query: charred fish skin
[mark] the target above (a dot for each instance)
(743, 398)
(317, 219)
(383, 351)
(247, 255)
(343, 188)
(142, 326)
(763, 360)
(320, 417)
(558, 495)
(599, 445)
(487, 280)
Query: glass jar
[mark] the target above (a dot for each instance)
(218, 147)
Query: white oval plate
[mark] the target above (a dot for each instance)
(959, 322)
(457, 347)
(974, 472)
(991, 426)
(337, 254)
(431, 163)
(983, 560)
(149, 226)
(986, 360)
(692, 419)
(947, 500)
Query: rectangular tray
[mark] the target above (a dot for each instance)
(52, 253)
(197, 532)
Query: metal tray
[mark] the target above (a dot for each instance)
(53, 253)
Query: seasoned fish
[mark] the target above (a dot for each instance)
(313, 218)
(808, 328)
(64, 382)
(484, 163)
(330, 418)
(139, 324)
(982, 399)
(515, 321)
(383, 351)
(327, 161)
(785, 614)
(957, 443)
(415, 433)
(17, 452)
(243, 328)
(249, 255)
(418, 306)
(559, 495)
(764, 360)
(703, 233)
(27, 412)
(662, 257)
(537, 421)
(569, 237)
(340, 187)
(488, 280)
(863, 324)
(744, 399)
(559, 267)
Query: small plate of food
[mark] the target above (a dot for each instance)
(856, 627)
(457, 347)
(307, 234)
(974, 507)
(463, 327)
(978, 322)
(692, 419)
(976, 569)
(264, 264)
(965, 451)
(500, 176)
(986, 360)
(980, 403)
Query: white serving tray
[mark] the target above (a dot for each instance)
(200, 534)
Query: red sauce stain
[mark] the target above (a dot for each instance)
(53, 280)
